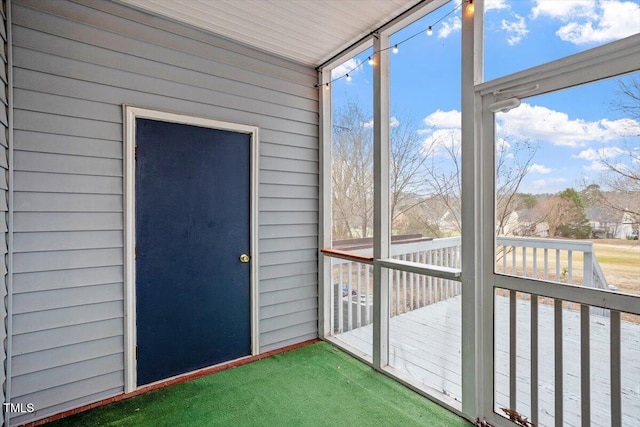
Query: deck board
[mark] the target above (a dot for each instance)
(425, 344)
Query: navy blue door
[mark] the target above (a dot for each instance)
(192, 226)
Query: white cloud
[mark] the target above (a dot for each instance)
(591, 21)
(516, 30)
(596, 167)
(502, 145)
(537, 123)
(601, 158)
(441, 139)
(393, 122)
(541, 169)
(621, 127)
(444, 130)
(539, 184)
(351, 66)
(449, 27)
(550, 185)
(602, 153)
(444, 119)
(543, 124)
(495, 5)
(563, 9)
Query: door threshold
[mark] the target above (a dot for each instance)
(202, 372)
(192, 375)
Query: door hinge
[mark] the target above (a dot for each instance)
(135, 152)
(135, 253)
(136, 352)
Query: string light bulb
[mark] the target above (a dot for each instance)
(470, 7)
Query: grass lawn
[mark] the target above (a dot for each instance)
(620, 262)
(316, 385)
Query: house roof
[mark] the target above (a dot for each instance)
(305, 31)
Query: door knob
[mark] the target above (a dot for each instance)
(244, 258)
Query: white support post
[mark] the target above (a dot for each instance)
(587, 269)
(324, 264)
(381, 214)
(472, 242)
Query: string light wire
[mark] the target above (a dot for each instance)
(395, 46)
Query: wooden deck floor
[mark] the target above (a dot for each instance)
(425, 344)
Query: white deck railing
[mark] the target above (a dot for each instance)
(562, 261)
(518, 353)
(550, 259)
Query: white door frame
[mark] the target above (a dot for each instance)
(130, 114)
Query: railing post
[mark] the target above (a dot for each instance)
(587, 274)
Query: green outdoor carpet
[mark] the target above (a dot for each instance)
(316, 385)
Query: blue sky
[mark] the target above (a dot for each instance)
(572, 129)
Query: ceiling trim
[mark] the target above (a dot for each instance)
(304, 32)
(417, 11)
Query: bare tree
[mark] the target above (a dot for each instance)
(444, 173)
(444, 178)
(622, 170)
(425, 177)
(352, 174)
(352, 171)
(513, 162)
(406, 169)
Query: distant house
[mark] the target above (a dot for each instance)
(609, 223)
(628, 227)
(522, 223)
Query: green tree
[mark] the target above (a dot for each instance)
(574, 221)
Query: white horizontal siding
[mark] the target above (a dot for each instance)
(61, 163)
(284, 283)
(281, 337)
(62, 279)
(69, 202)
(49, 378)
(288, 191)
(75, 64)
(66, 144)
(288, 257)
(36, 321)
(291, 307)
(67, 240)
(67, 355)
(68, 297)
(292, 205)
(39, 342)
(293, 243)
(72, 390)
(287, 217)
(286, 270)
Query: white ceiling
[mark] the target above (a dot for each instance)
(305, 31)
